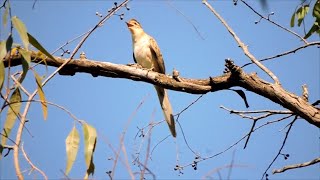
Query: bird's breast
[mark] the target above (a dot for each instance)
(142, 53)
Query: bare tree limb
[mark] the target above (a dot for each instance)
(236, 77)
(295, 166)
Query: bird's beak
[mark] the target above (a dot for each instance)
(128, 24)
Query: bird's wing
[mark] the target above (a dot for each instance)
(134, 58)
(156, 54)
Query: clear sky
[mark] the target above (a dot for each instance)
(107, 103)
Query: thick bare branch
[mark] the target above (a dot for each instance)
(236, 77)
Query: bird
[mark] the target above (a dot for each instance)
(146, 53)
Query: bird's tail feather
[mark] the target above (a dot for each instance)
(167, 109)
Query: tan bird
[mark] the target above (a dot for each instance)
(146, 52)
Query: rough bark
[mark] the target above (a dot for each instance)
(234, 77)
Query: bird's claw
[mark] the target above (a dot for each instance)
(135, 65)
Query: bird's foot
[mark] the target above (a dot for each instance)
(136, 65)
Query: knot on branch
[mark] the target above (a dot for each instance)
(231, 67)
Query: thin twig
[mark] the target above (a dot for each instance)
(158, 144)
(278, 25)
(266, 114)
(144, 135)
(124, 151)
(256, 111)
(50, 103)
(185, 140)
(188, 19)
(122, 138)
(242, 45)
(147, 169)
(286, 53)
(231, 164)
(31, 164)
(283, 143)
(237, 142)
(193, 102)
(4, 135)
(295, 166)
(104, 138)
(217, 170)
(20, 85)
(70, 41)
(26, 109)
(147, 155)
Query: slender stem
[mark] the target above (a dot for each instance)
(28, 104)
(276, 24)
(242, 45)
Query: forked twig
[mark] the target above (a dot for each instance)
(286, 53)
(31, 164)
(237, 142)
(242, 45)
(278, 25)
(283, 143)
(122, 141)
(26, 109)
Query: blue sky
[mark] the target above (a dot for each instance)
(108, 103)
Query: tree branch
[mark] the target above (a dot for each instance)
(276, 24)
(242, 45)
(294, 166)
(236, 77)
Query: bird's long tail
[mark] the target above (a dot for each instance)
(166, 108)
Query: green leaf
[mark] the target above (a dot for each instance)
(313, 29)
(316, 11)
(22, 31)
(292, 19)
(13, 111)
(2, 74)
(90, 139)
(90, 170)
(3, 50)
(5, 46)
(26, 60)
(41, 96)
(5, 15)
(72, 147)
(302, 11)
(9, 43)
(3, 53)
(37, 45)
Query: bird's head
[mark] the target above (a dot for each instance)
(134, 26)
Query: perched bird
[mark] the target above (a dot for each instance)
(146, 53)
